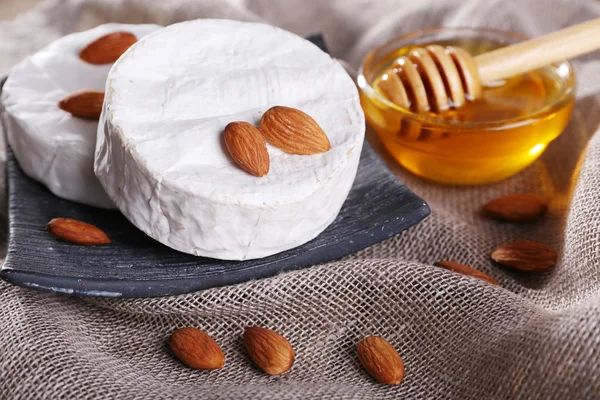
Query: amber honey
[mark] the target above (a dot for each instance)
(487, 139)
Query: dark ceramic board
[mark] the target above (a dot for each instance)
(378, 207)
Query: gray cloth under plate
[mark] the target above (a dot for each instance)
(536, 337)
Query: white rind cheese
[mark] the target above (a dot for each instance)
(160, 153)
(51, 145)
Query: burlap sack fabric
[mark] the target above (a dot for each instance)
(536, 337)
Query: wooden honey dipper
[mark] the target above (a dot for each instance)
(450, 75)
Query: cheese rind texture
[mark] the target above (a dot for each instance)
(160, 153)
(52, 146)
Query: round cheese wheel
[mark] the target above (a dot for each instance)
(51, 145)
(160, 153)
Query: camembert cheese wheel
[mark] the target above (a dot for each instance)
(161, 157)
(51, 145)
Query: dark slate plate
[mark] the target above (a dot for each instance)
(134, 265)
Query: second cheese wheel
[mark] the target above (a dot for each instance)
(51, 145)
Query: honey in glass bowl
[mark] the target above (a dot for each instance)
(487, 139)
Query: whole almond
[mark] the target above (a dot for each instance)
(77, 232)
(270, 351)
(108, 48)
(381, 360)
(516, 207)
(525, 256)
(293, 131)
(196, 349)
(466, 270)
(247, 147)
(84, 104)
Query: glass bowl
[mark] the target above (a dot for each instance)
(464, 151)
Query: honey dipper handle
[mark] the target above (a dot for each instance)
(535, 53)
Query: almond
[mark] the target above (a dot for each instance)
(84, 104)
(466, 270)
(108, 48)
(247, 147)
(516, 207)
(525, 256)
(196, 349)
(381, 360)
(77, 232)
(269, 350)
(293, 131)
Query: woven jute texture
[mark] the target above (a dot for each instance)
(536, 337)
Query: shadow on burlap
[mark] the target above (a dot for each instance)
(533, 338)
